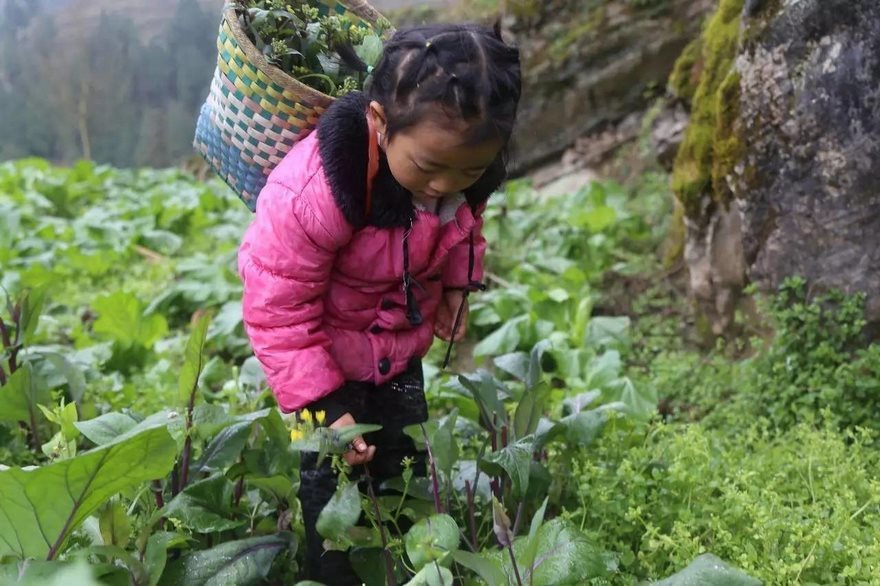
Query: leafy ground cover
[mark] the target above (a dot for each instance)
(140, 445)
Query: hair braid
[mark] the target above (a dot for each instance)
(468, 70)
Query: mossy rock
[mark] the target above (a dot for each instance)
(686, 74)
(711, 144)
(786, 125)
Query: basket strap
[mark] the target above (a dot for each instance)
(372, 164)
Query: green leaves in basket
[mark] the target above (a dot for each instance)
(333, 54)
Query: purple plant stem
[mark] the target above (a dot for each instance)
(187, 446)
(519, 517)
(435, 481)
(239, 491)
(472, 513)
(4, 334)
(515, 567)
(386, 555)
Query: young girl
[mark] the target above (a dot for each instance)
(349, 273)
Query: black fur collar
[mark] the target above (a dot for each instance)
(343, 143)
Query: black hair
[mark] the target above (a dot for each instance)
(466, 69)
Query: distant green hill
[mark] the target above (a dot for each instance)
(118, 81)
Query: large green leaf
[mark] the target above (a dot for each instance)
(104, 429)
(235, 563)
(514, 460)
(532, 542)
(503, 340)
(604, 369)
(204, 506)
(279, 487)
(226, 447)
(369, 563)
(540, 359)
(21, 394)
(485, 389)
(595, 219)
(114, 524)
(341, 513)
(76, 381)
(580, 402)
(431, 540)
(608, 332)
(709, 570)
(43, 573)
(530, 409)
(194, 360)
(109, 427)
(31, 308)
(40, 507)
(123, 320)
(444, 446)
(582, 429)
(563, 556)
(156, 555)
(433, 575)
(640, 402)
(515, 364)
(370, 50)
(489, 569)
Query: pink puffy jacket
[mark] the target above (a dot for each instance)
(323, 297)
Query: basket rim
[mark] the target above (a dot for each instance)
(359, 7)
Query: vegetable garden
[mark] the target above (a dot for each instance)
(582, 438)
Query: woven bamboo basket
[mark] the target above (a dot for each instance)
(255, 112)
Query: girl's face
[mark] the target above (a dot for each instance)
(432, 158)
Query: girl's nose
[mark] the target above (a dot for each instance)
(446, 185)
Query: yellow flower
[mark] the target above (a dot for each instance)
(320, 416)
(306, 416)
(296, 435)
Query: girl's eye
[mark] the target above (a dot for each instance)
(423, 170)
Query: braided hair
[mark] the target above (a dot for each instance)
(467, 70)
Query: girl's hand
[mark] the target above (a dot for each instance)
(360, 453)
(446, 313)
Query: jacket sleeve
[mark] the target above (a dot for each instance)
(455, 274)
(285, 265)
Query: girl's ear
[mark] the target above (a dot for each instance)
(377, 114)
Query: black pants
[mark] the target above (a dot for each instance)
(394, 406)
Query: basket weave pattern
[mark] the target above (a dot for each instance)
(255, 113)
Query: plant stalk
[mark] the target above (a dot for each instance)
(184, 461)
(157, 492)
(4, 334)
(519, 517)
(13, 359)
(435, 481)
(386, 555)
(187, 446)
(35, 432)
(239, 491)
(472, 514)
(515, 567)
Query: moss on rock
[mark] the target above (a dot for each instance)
(729, 148)
(686, 74)
(711, 148)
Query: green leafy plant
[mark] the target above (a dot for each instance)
(800, 507)
(330, 53)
